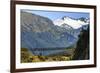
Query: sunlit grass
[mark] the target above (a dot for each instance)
(27, 56)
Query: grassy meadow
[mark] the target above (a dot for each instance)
(28, 57)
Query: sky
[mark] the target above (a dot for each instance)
(53, 15)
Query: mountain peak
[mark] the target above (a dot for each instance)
(72, 22)
(65, 17)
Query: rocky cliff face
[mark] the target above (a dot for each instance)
(35, 23)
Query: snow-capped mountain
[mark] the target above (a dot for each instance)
(72, 25)
(69, 22)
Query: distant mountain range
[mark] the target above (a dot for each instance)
(72, 25)
(40, 32)
(68, 22)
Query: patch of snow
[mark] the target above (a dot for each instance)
(71, 22)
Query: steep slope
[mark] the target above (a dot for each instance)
(82, 49)
(35, 23)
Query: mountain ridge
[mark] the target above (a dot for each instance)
(73, 23)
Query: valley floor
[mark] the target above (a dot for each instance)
(27, 57)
